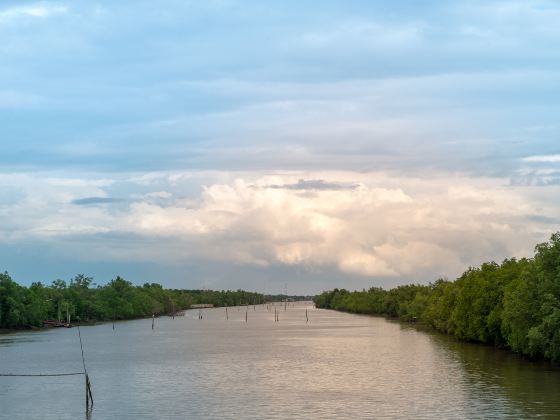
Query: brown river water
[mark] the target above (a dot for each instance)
(337, 365)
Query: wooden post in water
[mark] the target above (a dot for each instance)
(153, 320)
(88, 389)
(246, 312)
(306, 317)
(227, 317)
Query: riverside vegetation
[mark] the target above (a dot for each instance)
(515, 304)
(24, 307)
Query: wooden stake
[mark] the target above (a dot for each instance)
(89, 390)
(89, 396)
(227, 317)
(153, 320)
(306, 317)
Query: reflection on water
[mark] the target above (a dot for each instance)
(337, 365)
(530, 386)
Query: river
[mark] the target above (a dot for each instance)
(337, 365)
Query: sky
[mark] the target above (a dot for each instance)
(258, 144)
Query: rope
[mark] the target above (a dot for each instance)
(42, 374)
(54, 374)
(82, 349)
(89, 396)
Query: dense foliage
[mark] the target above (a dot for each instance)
(119, 299)
(515, 304)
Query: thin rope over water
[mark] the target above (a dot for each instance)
(89, 396)
(42, 374)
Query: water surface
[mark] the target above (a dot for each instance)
(336, 366)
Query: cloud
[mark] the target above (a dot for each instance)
(38, 10)
(554, 221)
(87, 201)
(361, 87)
(362, 140)
(543, 158)
(366, 35)
(396, 228)
(314, 184)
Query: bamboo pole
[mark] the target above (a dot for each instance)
(88, 386)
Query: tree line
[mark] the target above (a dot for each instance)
(515, 304)
(24, 307)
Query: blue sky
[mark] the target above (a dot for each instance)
(247, 144)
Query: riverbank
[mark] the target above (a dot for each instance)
(22, 307)
(513, 305)
(423, 326)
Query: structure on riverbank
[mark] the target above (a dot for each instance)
(202, 305)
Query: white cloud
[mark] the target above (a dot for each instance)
(386, 227)
(543, 158)
(364, 33)
(38, 10)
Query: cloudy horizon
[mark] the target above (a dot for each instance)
(244, 144)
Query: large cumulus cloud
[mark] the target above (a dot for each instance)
(373, 225)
